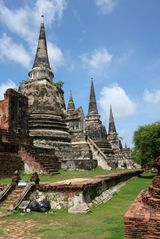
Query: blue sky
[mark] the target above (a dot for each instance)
(117, 42)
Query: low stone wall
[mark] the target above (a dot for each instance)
(104, 182)
(78, 194)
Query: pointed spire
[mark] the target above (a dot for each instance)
(92, 110)
(41, 63)
(41, 58)
(112, 127)
(71, 105)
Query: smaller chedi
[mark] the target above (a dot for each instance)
(95, 130)
(143, 217)
(106, 147)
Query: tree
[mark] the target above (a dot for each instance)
(146, 144)
(59, 84)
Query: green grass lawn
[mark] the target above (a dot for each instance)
(63, 175)
(103, 222)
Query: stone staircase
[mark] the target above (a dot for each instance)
(105, 147)
(12, 197)
(41, 160)
(103, 160)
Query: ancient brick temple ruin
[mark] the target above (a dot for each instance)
(143, 217)
(45, 135)
(17, 151)
(13, 131)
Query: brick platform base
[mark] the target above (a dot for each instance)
(142, 221)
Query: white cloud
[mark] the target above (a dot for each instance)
(97, 61)
(25, 25)
(152, 97)
(18, 21)
(55, 56)
(14, 52)
(5, 86)
(52, 9)
(114, 95)
(106, 6)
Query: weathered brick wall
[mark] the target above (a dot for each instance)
(13, 112)
(18, 106)
(30, 164)
(9, 163)
(40, 160)
(13, 131)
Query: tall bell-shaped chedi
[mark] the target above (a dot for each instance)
(45, 98)
(48, 115)
(93, 125)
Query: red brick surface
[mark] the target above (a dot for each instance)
(142, 221)
(39, 160)
(13, 112)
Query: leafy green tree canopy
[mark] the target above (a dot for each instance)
(146, 144)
